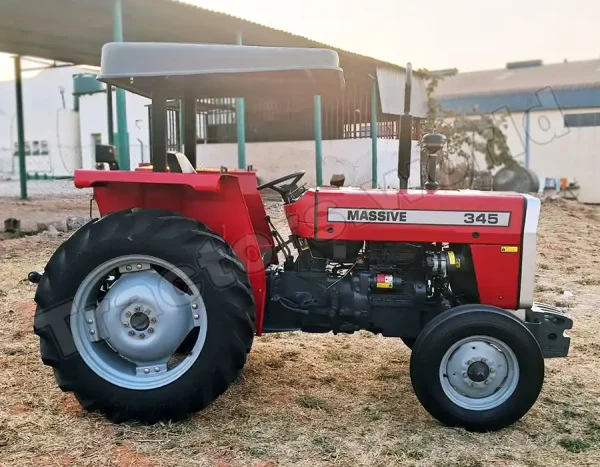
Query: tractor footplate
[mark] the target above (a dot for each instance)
(548, 325)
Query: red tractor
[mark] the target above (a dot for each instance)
(150, 311)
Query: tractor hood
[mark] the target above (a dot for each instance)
(499, 226)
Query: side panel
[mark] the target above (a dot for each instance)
(497, 270)
(256, 210)
(222, 207)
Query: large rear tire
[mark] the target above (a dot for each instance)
(171, 284)
(477, 367)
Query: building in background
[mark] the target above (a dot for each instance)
(60, 138)
(61, 131)
(553, 124)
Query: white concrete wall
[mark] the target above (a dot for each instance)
(94, 120)
(45, 119)
(67, 157)
(556, 151)
(68, 133)
(352, 157)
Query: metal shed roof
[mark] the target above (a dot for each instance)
(558, 76)
(75, 30)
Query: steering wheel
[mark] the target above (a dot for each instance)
(286, 189)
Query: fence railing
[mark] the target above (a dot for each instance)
(347, 116)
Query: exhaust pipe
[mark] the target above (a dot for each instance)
(405, 138)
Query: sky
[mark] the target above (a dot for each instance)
(434, 34)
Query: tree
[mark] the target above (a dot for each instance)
(466, 136)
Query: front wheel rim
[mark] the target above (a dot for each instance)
(129, 336)
(479, 373)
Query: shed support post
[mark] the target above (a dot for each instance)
(240, 121)
(374, 134)
(318, 142)
(527, 139)
(20, 127)
(122, 136)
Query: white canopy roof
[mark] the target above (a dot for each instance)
(218, 70)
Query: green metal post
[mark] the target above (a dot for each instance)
(374, 134)
(181, 125)
(122, 135)
(240, 120)
(20, 128)
(318, 141)
(109, 115)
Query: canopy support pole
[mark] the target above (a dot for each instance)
(189, 127)
(240, 120)
(181, 124)
(109, 115)
(158, 150)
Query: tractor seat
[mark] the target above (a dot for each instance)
(179, 163)
(105, 155)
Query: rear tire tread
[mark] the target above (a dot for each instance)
(164, 227)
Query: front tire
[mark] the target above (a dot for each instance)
(194, 270)
(477, 367)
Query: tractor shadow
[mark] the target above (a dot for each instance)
(326, 376)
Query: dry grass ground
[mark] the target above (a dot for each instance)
(310, 400)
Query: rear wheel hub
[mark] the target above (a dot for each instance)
(139, 321)
(131, 336)
(130, 304)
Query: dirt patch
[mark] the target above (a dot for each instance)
(46, 209)
(126, 456)
(309, 400)
(18, 409)
(57, 459)
(24, 316)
